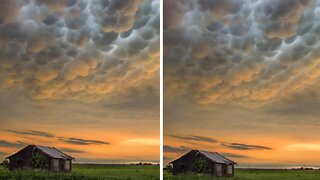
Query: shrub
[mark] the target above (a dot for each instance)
(169, 168)
(5, 164)
(38, 161)
(202, 166)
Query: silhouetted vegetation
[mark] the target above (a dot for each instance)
(5, 164)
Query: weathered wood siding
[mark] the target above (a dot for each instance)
(23, 160)
(187, 164)
(184, 164)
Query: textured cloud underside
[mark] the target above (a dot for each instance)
(243, 52)
(78, 49)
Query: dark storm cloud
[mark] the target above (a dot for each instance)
(82, 50)
(241, 52)
(78, 141)
(195, 138)
(4, 143)
(239, 146)
(32, 133)
(172, 149)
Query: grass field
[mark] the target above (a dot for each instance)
(256, 174)
(90, 171)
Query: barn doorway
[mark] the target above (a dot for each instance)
(219, 170)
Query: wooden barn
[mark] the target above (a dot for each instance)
(217, 165)
(53, 159)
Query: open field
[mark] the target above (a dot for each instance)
(256, 174)
(89, 171)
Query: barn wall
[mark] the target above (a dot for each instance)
(65, 165)
(184, 164)
(21, 160)
(187, 164)
(54, 165)
(60, 165)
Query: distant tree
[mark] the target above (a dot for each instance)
(38, 161)
(5, 163)
(202, 166)
(169, 168)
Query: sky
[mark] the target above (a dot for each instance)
(81, 76)
(242, 77)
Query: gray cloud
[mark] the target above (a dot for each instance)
(83, 50)
(18, 144)
(239, 146)
(68, 150)
(232, 155)
(167, 158)
(32, 133)
(78, 141)
(241, 52)
(195, 138)
(171, 149)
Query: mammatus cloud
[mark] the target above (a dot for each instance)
(7, 144)
(32, 133)
(239, 146)
(172, 149)
(84, 50)
(78, 141)
(194, 138)
(241, 52)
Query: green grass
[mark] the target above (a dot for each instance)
(255, 174)
(88, 172)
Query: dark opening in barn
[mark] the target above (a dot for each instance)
(197, 161)
(40, 157)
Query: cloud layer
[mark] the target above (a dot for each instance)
(78, 141)
(78, 49)
(32, 133)
(195, 138)
(239, 146)
(243, 52)
(7, 144)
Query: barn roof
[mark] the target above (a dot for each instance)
(53, 152)
(50, 151)
(212, 156)
(216, 157)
